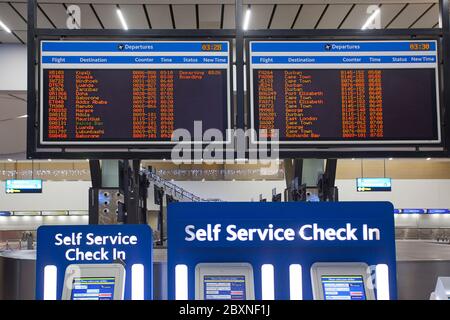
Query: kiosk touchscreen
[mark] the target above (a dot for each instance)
(94, 282)
(341, 281)
(224, 281)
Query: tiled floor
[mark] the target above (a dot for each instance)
(413, 250)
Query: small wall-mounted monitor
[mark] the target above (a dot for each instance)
(23, 186)
(373, 184)
(224, 281)
(94, 282)
(341, 281)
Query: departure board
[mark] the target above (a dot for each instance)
(126, 93)
(345, 92)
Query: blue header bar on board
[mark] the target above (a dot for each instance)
(357, 46)
(342, 59)
(150, 46)
(134, 59)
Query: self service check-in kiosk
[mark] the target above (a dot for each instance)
(94, 262)
(224, 281)
(104, 281)
(331, 251)
(341, 281)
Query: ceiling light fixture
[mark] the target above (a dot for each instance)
(122, 19)
(10, 160)
(22, 116)
(370, 19)
(428, 159)
(247, 19)
(4, 27)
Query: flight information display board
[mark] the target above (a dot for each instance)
(138, 93)
(345, 92)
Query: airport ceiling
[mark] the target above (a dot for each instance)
(192, 14)
(217, 14)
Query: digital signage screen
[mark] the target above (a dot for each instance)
(343, 287)
(132, 93)
(224, 287)
(23, 186)
(90, 288)
(345, 92)
(373, 184)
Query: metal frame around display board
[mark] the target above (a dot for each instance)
(239, 103)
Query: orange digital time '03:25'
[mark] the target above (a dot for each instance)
(211, 47)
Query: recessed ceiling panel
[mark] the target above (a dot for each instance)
(309, 15)
(408, 16)
(229, 17)
(6, 37)
(334, 15)
(260, 16)
(429, 19)
(42, 21)
(136, 16)
(388, 12)
(209, 16)
(11, 18)
(284, 16)
(22, 35)
(56, 13)
(357, 17)
(184, 16)
(159, 16)
(108, 15)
